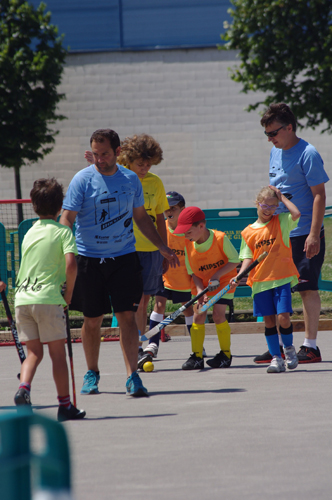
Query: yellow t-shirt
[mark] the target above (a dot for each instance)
(155, 203)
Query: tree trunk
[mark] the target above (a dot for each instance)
(18, 195)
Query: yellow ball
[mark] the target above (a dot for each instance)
(102, 339)
(148, 366)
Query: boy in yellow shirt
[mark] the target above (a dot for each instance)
(177, 282)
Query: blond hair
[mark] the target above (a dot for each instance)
(265, 192)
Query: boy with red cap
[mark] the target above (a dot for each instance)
(211, 259)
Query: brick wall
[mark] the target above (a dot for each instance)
(215, 153)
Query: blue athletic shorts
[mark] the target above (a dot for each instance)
(152, 271)
(274, 301)
(309, 269)
(174, 295)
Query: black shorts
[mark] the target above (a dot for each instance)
(309, 269)
(174, 295)
(228, 302)
(103, 284)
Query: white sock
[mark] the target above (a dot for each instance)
(280, 341)
(189, 320)
(156, 316)
(310, 343)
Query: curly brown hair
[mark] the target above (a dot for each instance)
(140, 146)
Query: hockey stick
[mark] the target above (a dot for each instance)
(156, 329)
(222, 292)
(18, 345)
(70, 354)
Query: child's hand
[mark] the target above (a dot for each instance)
(203, 298)
(213, 285)
(233, 284)
(89, 157)
(3, 286)
(201, 301)
(67, 296)
(277, 192)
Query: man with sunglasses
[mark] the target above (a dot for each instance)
(297, 169)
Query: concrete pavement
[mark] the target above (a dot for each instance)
(236, 433)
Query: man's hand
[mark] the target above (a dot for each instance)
(170, 256)
(213, 285)
(165, 266)
(311, 246)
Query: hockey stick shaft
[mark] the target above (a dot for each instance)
(156, 329)
(70, 355)
(18, 345)
(222, 292)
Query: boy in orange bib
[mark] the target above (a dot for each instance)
(210, 257)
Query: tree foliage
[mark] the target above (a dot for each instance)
(31, 66)
(285, 47)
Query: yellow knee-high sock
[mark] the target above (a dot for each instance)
(197, 333)
(224, 337)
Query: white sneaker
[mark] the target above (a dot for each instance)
(277, 365)
(291, 357)
(152, 349)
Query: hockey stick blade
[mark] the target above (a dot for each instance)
(12, 325)
(156, 329)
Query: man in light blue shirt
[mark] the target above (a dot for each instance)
(297, 169)
(103, 199)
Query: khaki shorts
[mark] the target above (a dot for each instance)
(46, 322)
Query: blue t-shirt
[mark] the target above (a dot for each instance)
(294, 171)
(104, 225)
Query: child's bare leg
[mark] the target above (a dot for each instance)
(189, 311)
(141, 313)
(270, 321)
(34, 357)
(199, 319)
(60, 368)
(160, 305)
(219, 313)
(189, 317)
(285, 329)
(284, 320)
(156, 317)
(66, 410)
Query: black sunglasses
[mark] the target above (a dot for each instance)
(274, 132)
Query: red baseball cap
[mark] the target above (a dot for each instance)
(187, 217)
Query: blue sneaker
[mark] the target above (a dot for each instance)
(90, 383)
(135, 387)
